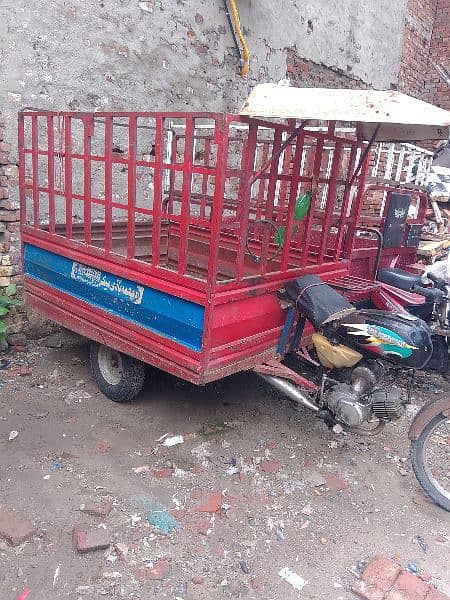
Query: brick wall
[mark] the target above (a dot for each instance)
(10, 239)
(437, 90)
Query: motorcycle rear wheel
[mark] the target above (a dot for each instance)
(421, 454)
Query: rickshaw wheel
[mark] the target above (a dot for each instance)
(119, 377)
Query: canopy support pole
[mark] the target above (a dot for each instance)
(364, 154)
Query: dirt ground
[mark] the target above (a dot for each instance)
(270, 465)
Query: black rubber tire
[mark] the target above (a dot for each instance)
(131, 379)
(417, 460)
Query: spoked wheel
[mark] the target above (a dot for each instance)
(430, 456)
(120, 377)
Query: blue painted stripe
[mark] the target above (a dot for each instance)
(167, 315)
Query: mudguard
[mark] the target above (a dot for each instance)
(426, 414)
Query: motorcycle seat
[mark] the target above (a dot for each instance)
(399, 278)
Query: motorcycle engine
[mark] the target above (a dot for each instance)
(356, 402)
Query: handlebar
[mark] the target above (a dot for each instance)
(436, 280)
(431, 293)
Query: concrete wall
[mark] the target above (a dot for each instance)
(159, 54)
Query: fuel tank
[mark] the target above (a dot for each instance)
(400, 338)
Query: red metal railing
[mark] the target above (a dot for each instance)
(181, 196)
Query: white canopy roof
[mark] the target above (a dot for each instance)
(401, 117)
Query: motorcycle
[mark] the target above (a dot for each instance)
(356, 351)
(430, 430)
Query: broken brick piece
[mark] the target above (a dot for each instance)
(162, 473)
(381, 573)
(88, 539)
(14, 527)
(270, 466)
(408, 587)
(96, 509)
(212, 503)
(159, 570)
(334, 483)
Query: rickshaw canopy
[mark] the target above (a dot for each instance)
(384, 116)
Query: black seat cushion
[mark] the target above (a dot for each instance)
(319, 302)
(399, 278)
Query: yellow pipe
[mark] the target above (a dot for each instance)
(245, 69)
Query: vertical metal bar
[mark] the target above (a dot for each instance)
(356, 206)
(283, 184)
(51, 174)
(21, 148)
(244, 194)
(186, 195)
(108, 182)
(88, 123)
(332, 189)
(292, 199)
(273, 178)
(345, 204)
(172, 174)
(312, 208)
(261, 183)
(157, 190)
(131, 238)
(35, 169)
(221, 137)
(207, 162)
(68, 173)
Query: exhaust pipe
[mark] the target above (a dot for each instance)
(289, 389)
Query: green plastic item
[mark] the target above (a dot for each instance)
(301, 209)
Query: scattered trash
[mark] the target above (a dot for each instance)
(121, 549)
(40, 415)
(163, 520)
(46, 477)
(244, 566)
(24, 595)
(307, 510)
(292, 578)
(157, 514)
(412, 567)
(143, 469)
(146, 6)
(111, 558)
(56, 575)
(13, 434)
(173, 441)
(422, 543)
(56, 466)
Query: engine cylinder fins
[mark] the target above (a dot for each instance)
(387, 404)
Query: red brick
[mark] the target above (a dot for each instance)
(269, 466)
(381, 573)
(408, 587)
(88, 539)
(212, 503)
(162, 473)
(96, 509)
(159, 570)
(14, 527)
(334, 483)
